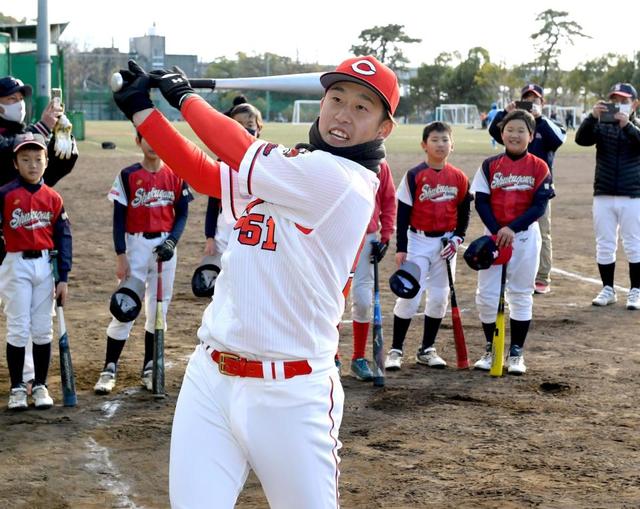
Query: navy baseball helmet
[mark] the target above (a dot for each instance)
(204, 277)
(126, 301)
(405, 282)
(483, 252)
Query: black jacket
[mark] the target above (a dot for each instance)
(617, 155)
(56, 169)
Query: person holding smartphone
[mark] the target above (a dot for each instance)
(549, 136)
(616, 188)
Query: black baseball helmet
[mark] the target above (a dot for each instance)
(483, 252)
(204, 277)
(126, 301)
(405, 282)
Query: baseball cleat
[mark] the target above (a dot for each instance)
(41, 398)
(542, 288)
(515, 362)
(429, 357)
(484, 363)
(18, 398)
(107, 380)
(393, 362)
(633, 300)
(147, 376)
(360, 369)
(606, 296)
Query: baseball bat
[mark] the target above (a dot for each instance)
(456, 320)
(304, 83)
(67, 377)
(378, 338)
(497, 348)
(157, 377)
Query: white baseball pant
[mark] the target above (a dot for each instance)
(144, 266)
(362, 287)
(286, 431)
(521, 276)
(613, 213)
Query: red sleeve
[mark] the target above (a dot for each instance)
(386, 196)
(184, 158)
(224, 136)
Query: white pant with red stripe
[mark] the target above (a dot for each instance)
(26, 289)
(286, 431)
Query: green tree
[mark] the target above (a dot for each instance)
(383, 42)
(555, 30)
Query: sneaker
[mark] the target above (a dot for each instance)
(147, 376)
(393, 362)
(484, 363)
(360, 369)
(606, 296)
(41, 398)
(633, 300)
(18, 398)
(107, 380)
(515, 362)
(429, 357)
(542, 287)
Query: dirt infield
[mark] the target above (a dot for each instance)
(565, 435)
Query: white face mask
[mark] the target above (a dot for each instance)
(536, 108)
(624, 108)
(14, 112)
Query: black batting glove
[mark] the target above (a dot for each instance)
(173, 84)
(164, 251)
(134, 94)
(378, 250)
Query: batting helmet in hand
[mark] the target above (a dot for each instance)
(405, 282)
(483, 252)
(204, 277)
(126, 301)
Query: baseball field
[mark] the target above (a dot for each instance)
(565, 435)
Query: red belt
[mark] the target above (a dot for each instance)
(233, 365)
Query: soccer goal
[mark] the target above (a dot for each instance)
(305, 111)
(459, 114)
(568, 115)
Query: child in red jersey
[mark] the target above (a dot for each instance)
(33, 223)
(433, 205)
(151, 205)
(511, 192)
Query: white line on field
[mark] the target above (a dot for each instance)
(108, 475)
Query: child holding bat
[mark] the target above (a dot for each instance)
(511, 192)
(151, 205)
(33, 223)
(433, 204)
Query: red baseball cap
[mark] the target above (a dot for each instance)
(371, 73)
(29, 138)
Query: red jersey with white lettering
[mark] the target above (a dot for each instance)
(511, 183)
(149, 198)
(28, 215)
(434, 196)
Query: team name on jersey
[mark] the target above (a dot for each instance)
(438, 193)
(512, 182)
(153, 198)
(30, 219)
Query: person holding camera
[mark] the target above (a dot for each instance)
(549, 136)
(614, 129)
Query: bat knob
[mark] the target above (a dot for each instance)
(378, 381)
(116, 82)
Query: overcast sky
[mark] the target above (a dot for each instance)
(325, 32)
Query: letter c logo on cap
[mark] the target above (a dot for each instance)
(364, 67)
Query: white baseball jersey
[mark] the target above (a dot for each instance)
(300, 243)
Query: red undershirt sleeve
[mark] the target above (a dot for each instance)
(184, 158)
(223, 135)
